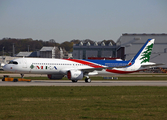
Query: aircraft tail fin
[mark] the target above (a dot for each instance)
(143, 55)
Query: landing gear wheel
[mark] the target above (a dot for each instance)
(15, 80)
(87, 80)
(22, 75)
(74, 81)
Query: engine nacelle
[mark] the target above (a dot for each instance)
(74, 75)
(55, 76)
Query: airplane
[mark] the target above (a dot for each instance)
(76, 69)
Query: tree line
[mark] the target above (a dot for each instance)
(28, 44)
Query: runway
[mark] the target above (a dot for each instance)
(82, 83)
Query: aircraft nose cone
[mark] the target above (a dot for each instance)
(6, 67)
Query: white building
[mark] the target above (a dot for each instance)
(52, 52)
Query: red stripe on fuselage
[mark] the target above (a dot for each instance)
(85, 63)
(121, 72)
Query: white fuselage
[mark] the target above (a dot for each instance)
(59, 66)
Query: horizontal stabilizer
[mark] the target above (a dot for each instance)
(151, 64)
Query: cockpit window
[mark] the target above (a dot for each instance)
(13, 62)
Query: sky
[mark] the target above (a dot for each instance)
(65, 20)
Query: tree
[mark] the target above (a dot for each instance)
(146, 54)
(67, 45)
(52, 41)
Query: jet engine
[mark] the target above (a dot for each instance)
(74, 75)
(55, 76)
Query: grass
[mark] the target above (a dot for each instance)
(83, 103)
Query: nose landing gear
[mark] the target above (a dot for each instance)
(22, 75)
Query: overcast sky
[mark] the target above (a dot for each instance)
(65, 20)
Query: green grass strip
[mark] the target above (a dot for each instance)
(99, 103)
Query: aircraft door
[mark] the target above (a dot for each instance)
(24, 63)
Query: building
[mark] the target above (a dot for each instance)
(49, 52)
(85, 50)
(129, 44)
(126, 47)
(28, 54)
(53, 52)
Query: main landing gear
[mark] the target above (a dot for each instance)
(87, 79)
(74, 81)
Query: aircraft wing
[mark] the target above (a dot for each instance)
(101, 68)
(119, 66)
(93, 69)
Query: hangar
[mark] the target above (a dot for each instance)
(129, 44)
(86, 50)
(125, 48)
